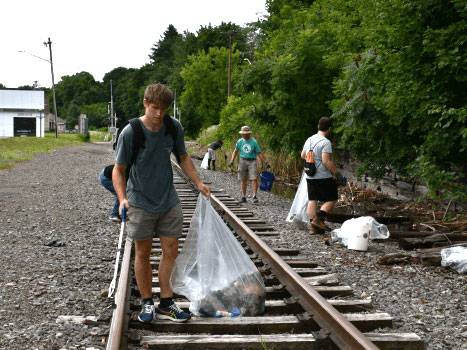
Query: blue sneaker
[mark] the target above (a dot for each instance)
(147, 313)
(172, 313)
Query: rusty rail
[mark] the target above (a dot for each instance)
(115, 340)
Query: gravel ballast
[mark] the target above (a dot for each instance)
(58, 247)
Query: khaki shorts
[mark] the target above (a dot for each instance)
(144, 225)
(247, 168)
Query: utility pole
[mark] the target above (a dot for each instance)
(49, 44)
(229, 67)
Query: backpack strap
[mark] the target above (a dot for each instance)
(171, 129)
(312, 149)
(138, 143)
(139, 139)
(119, 131)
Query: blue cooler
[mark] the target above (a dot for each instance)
(267, 179)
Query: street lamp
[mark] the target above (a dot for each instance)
(246, 59)
(49, 44)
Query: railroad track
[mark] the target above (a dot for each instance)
(306, 307)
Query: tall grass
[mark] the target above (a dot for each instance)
(208, 136)
(18, 149)
(100, 135)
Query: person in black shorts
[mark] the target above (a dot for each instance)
(322, 186)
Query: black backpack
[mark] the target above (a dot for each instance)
(310, 166)
(139, 139)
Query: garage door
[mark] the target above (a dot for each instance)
(24, 126)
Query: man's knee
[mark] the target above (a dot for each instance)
(143, 249)
(170, 249)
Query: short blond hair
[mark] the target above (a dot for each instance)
(159, 94)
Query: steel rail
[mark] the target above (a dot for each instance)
(343, 333)
(119, 315)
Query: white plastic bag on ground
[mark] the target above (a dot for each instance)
(455, 257)
(205, 162)
(214, 272)
(353, 227)
(297, 213)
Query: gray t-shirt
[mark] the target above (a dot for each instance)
(318, 144)
(150, 184)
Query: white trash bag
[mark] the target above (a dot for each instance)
(205, 162)
(354, 233)
(455, 257)
(297, 213)
(214, 272)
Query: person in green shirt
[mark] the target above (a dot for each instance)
(249, 150)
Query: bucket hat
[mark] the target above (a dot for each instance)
(245, 130)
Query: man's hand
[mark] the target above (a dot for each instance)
(123, 204)
(204, 189)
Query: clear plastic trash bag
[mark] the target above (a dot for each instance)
(455, 257)
(205, 161)
(297, 213)
(214, 272)
(354, 226)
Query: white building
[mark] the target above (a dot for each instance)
(21, 113)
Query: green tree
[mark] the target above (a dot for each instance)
(97, 114)
(163, 54)
(291, 80)
(71, 114)
(128, 89)
(75, 91)
(401, 102)
(205, 94)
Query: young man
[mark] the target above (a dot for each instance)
(153, 205)
(249, 150)
(322, 186)
(212, 153)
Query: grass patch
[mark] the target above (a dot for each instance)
(99, 136)
(18, 149)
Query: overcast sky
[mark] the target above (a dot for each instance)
(97, 36)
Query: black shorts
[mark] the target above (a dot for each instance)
(323, 190)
